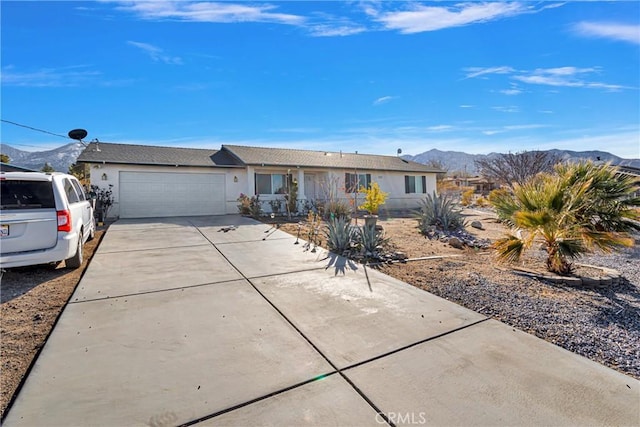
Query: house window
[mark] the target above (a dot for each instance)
(415, 184)
(354, 181)
(267, 183)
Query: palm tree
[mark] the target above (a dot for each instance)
(580, 208)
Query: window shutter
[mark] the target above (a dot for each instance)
(347, 182)
(424, 184)
(255, 183)
(368, 180)
(406, 184)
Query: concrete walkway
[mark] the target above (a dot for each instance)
(184, 321)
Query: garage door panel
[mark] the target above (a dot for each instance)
(154, 194)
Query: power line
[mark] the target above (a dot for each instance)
(36, 129)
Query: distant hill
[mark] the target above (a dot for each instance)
(454, 161)
(459, 162)
(60, 158)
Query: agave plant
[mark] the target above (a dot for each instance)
(439, 211)
(580, 208)
(371, 239)
(339, 234)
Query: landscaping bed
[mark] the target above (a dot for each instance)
(601, 323)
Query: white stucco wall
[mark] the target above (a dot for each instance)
(333, 181)
(242, 181)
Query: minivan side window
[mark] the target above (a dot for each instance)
(72, 196)
(79, 190)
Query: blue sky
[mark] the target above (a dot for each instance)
(332, 75)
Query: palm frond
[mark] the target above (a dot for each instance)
(509, 248)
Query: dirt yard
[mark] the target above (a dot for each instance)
(32, 299)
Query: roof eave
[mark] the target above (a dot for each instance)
(115, 162)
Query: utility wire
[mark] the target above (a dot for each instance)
(36, 129)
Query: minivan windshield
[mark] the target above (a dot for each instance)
(19, 194)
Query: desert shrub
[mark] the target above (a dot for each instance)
(244, 203)
(439, 211)
(336, 209)
(481, 201)
(373, 198)
(339, 234)
(467, 197)
(276, 205)
(249, 205)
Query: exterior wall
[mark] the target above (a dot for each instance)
(112, 174)
(329, 184)
(326, 183)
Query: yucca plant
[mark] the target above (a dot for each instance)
(372, 239)
(439, 211)
(581, 207)
(339, 234)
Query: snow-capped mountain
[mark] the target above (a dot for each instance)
(60, 158)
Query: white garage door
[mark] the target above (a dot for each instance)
(156, 194)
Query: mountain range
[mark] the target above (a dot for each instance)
(59, 158)
(455, 162)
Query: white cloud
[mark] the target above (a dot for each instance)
(507, 109)
(220, 12)
(466, 106)
(609, 30)
(511, 92)
(50, 77)
(440, 128)
(557, 76)
(565, 76)
(431, 18)
(473, 72)
(331, 30)
(383, 100)
(156, 53)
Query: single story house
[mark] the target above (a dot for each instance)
(151, 181)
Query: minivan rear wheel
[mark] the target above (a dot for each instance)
(76, 260)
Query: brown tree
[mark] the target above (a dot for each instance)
(510, 168)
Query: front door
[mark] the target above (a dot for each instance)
(310, 186)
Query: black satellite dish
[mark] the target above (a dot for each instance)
(78, 134)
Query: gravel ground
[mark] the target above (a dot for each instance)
(600, 324)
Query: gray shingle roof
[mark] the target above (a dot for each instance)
(257, 156)
(152, 155)
(239, 156)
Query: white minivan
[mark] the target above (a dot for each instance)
(45, 218)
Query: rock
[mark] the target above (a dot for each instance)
(400, 256)
(456, 243)
(476, 224)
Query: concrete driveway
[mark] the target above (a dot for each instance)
(191, 321)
